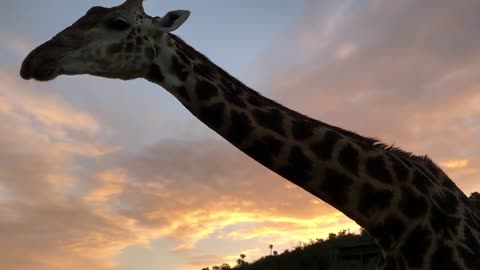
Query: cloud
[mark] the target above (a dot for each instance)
(61, 235)
(44, 224)
(99, 199)
(402, 71)
(15, 44)
(456, 164)
(111, 183)
(78, 185)
(39, 138)
(196, 190)
(74, 198)
(41, 110)
(344, 51)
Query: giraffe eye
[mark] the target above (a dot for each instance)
(119, 24)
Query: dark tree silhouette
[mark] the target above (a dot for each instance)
(315, 254)
(225, 266)
(241, 260)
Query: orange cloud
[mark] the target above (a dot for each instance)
(456, 164)
(48, 110)
(168, 202)
(46, 226)
(111, 183)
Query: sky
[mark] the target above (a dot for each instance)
(113, 175)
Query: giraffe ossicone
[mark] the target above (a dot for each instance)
(415, 212)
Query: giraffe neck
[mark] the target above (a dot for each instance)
(293, 145)
(406, 202)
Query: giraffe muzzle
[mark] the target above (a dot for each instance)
(42, 63)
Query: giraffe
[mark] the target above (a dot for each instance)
(415, 212)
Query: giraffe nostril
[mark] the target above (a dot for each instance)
(26, 69)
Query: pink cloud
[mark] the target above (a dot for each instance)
(411, 79)
(406, 72)
(45, 225)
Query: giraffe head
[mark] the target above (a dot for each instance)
(118, 42)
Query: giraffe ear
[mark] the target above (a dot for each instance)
(171, 21)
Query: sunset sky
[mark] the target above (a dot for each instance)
(113, 175)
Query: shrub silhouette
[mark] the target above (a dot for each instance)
(317, 254)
